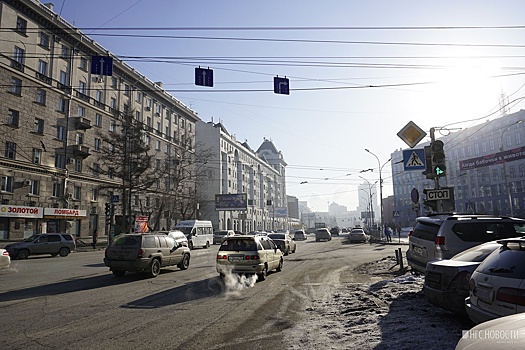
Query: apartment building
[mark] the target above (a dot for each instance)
(52, 112)
(235, 168)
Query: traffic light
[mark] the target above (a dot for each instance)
(112, 209)
(428, 163)
(107, 210)
(438, 159)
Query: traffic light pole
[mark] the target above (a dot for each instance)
(436, 178)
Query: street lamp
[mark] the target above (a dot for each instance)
(380, 168)
(370, 193)
(509, 197)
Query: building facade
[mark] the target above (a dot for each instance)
(53, 110)
(237, 169)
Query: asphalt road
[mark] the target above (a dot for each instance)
(76, 303)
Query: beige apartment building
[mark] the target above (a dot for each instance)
(52, 109)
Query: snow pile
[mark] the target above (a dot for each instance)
(391, 313)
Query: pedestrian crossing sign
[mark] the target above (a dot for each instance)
(414, 159)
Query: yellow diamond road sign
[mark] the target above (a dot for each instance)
(411, 134)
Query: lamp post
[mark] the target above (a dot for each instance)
(380, 168)
(509, 196)
(370, 194)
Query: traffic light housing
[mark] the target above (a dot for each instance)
(107, 210)
(112, 209)
(428, 163)
(438, 159)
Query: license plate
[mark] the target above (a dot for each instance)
(419, 250)
(235, 258)
(485, 294)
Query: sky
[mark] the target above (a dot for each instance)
(359, 71)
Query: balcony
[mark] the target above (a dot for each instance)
(114, 111)
(44, 78)
(81, 123)
(65, 88)
(82, 96)
(17, 65)
(99, 104)
(79, 151)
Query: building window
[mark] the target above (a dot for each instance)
(137, 116)
(7, 183)
(98, 119)
(83, 64)
(41, 96)
(37, 155)
(21, 25)
(39, 126)
(127, 90)
(157, 147)
(111, 172)
(64, 52)
(13, 118)
(138, 97)
(34, 187)
(99, 96)
(77, 192)
(10, 150)
(16, 86)
(44, 40)
(94, 195)
(18, 55)
(79, 138)
(97, 144)
(59, 161)
(62, 105)
(82, 87)
(80, 111)
(96, 169)
(57, 190)
(113, 82)
(113, 103)
(61, 132)
(112, 126)
(63, 78)
(77, 165)
(517, 138)
(509, 140)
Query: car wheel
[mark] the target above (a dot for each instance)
(154, 268)
(63, 251)
(280, 266)
(119, 273)
(263, 274)
(287, 251)
(23, 254)
(190, 245)
(185, 263)
(207, 245)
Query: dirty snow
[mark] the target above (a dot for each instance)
(389, 313)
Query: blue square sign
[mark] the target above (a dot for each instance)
(102, 65)
(281, 85)
(204, 77)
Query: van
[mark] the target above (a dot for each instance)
(198, 232)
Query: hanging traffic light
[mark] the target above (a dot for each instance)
(107, 210)
(438, 159)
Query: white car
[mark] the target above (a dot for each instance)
(357, 235)
(503, 333)
(5, 259)
(497, 286)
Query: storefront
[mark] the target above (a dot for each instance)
(17, 222)
(62, 220)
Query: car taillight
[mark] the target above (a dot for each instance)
(440, 240)
(222, 257)
(141, 253)
(511, 295)
(5, 253)
(410, 233)
(461, 281)
(251, 257)
(471, 285)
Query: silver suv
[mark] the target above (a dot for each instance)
(48, 243)
(249, 254)
(145, 252)
(439, 237)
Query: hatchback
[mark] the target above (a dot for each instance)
(48, 243)
(497, 286)
(322, 234)
(300, 235)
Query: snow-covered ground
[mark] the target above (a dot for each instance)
(389, 313)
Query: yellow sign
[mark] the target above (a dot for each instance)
(411, 134)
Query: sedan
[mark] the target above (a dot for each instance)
(357, 235)
(497, 286)
(446, 281)
(5, 259)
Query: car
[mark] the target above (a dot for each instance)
(145, 252)
(344, 230)
(335, 231)
(177, 235)
(446, 281)
(497, 286)
(249, 255)
(503, 333)
(5, 259)
(285, 243)
(47, 243)
(300, 235)
(357, 235)
(441, 236)
(220, 235)
(322, 234)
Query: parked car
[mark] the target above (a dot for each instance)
(5, 259)
(285, 243)
(438, 237)
(503, 333)
(335, 231)
(145, 252)
(357, 235)
(48, 243)
(220, 235)
(300, 235)
(497, 286)
(446, 281)
(322, 234)
(249, 254)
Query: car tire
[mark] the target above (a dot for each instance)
(185, 262)
(287, 251)
(63, 252)
(280, 266)
(294, 249)
(263, 274)
(190, 245)
(22, 254)
(207, 245)
(118, 273)
(154, 268)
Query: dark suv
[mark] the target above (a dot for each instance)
(441, 236)
(48, 243)
(145, 252)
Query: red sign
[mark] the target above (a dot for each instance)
(21, 211)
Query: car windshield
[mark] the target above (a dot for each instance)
(238, 245)
(185, 230)
(32, 238)
(277, 236)
(220, 233)
(126, 241)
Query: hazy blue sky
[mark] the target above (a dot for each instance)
(351, 88)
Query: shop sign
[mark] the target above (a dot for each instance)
(21, 211)
(62, 213)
